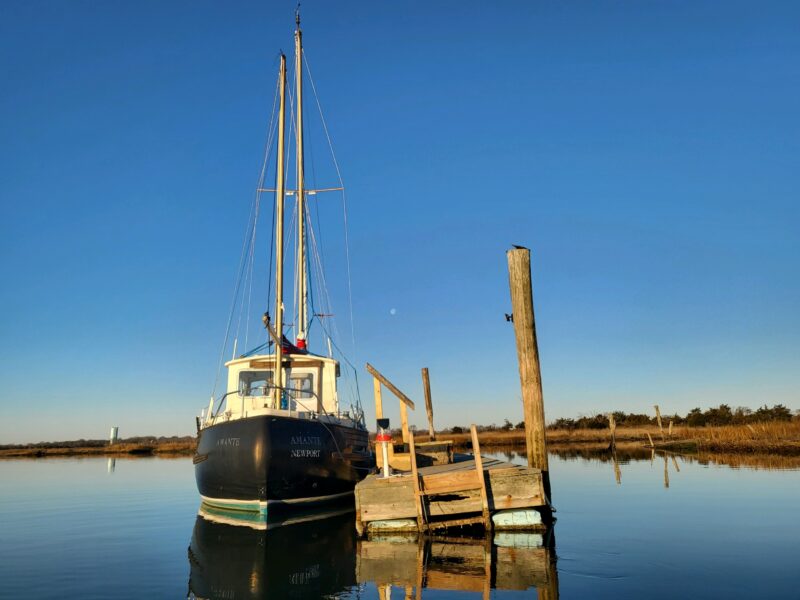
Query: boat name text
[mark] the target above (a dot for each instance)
(305, 451)
(306, 440)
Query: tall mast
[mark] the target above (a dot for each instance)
(280, 194)
(302, 274)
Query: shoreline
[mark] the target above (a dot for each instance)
(779, 439)
(122, 449)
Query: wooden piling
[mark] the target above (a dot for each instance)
(658, 418)
(652, 445)
(519, 278)
(426, 387)
(670, 428)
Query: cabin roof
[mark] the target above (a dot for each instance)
(300, 359)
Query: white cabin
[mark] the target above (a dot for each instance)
(309, 389)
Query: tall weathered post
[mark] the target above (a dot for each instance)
(519, 279)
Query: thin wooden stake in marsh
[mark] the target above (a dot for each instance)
(658, 418)
(426, 388)
(612, 425)
(519, 279)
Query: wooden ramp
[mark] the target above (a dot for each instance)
(440, 496)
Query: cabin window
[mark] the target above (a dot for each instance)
(302, 385)
(255, 383)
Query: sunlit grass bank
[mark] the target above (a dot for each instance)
(776, 437)
(175, 446)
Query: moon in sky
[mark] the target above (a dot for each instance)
(393, 311)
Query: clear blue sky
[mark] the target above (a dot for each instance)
(647, 152)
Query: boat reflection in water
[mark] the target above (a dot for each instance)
(506, 561)
(317, 554)
(309, 555)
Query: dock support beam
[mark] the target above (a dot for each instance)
(404, 424)
(519, 279)
(405, 401)
(376, 388)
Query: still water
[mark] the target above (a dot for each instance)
(640, 527)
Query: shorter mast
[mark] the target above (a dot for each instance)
(280, 194)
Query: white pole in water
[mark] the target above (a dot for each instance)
(113, 435)
(385, 450)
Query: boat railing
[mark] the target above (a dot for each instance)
(214, 416)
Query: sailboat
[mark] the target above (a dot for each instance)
(277, 435)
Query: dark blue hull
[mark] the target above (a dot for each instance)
(246, 464)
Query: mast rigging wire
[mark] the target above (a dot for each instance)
(344, 200)
(241, 268)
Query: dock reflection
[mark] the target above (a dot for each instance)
(317, 554)
(506, 561)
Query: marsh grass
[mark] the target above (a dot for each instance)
(180, 447)
(781, 437)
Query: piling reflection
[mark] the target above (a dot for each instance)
(408, 566)
(309, 555)
(632, 452)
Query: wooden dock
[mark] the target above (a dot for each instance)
(472, 491)
(428, 490)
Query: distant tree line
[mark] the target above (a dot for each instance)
(720, 415)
